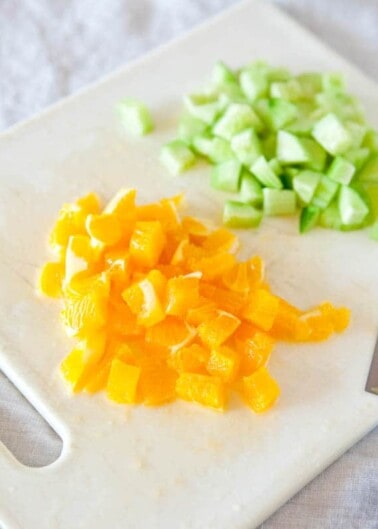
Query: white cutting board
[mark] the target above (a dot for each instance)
(179, 466)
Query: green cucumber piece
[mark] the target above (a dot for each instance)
(305, 184)
(230, 93)
(222, 74)
(217, 150)
(205, 107)
(330, 217)
(311, 84)
(269, 146)
(301, 126)
(237, 117)
(241, 215)
(275, 165)
(325, 192)
(309, 218)
(333, 82)
(371, 193)
(135, 116)
(290, 90)
(341, 170)
(190, 127)
(265, 174)
(250, 189)
(246, 146)
(370, 141)
(374, 231)
(294, 150)
(276, 113)
(357, 133)
(332, 134)
(358, 157)
(287, 177)
(279, 201)
(369, 173)
(352, 208)
(254, 83)
(226, 176)
(177, 157)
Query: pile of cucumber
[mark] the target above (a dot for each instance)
(282, 143)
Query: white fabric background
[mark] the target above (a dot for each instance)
(50, 48)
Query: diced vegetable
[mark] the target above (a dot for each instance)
(332, 135)
(341, 170)
(241, 215)
(190, 127)
(279, 201)
(226, 176)
(237, 117)
(204, 107)
(177, 157)
(305, 184)
(276, 113)
(246, 146)
(324, 193)
(302, 133)
(135, 116)
(217, 150)
(308, 219)
(250, 189)
(265, 174)
(253, 83)
(353, 209)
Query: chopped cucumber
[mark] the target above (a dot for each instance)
(279, 201)
(370, 141)
(353, 209)
(333, 82)
(246, 146)
(265, 174)
(308, 219)
(341, 170)
(332, 135)
(237, 117)
(222, 74)
(276, 113)
(290, 90)
(204, 107)
(311, 84)
(374, 231)
(190, 127)
(294, 150)
(135, 116)
(254, 83)
(357, 133)
(275, 165)
(241, 215)
(287, 177)
(324, 192)
(226, 176)
(369, 172)
(358, 157)
(305, 184)
(177, 157)
(269, 146)
(278, 140)
(217, 150)
(330, 217)
(250, 189)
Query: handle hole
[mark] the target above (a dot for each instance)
(25, 433)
